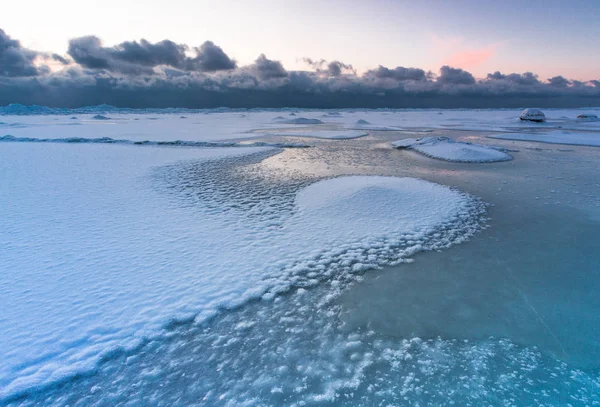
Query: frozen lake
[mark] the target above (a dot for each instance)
(184, 257)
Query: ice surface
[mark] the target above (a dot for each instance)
(444, 148)
(106, 244)
(555, 137)
(112, 251)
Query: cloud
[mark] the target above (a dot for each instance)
(268, 69)
(14, 59)
(399, 73)
(455, 76)
(333, 68)
(210, 58)
(559, 81)
(132, 57)
(141, 74)
(527, 78)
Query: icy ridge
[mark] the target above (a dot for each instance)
(181, 143)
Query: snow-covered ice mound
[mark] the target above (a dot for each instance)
(443, 148)
(532, 115)
(362, 124)
(100, 117)
(323, 134)
(555, 137)
(587, 117)
(298, 120)
(84, 276)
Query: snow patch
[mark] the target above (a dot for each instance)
(443, 148)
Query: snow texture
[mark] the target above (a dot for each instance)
(106, 245)
(442, 148)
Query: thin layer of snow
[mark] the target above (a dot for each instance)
(555, 137)
(446, 149)
(106, 244)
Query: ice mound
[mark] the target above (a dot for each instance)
(323, 134)
(555, 137)
(100, 117)
(303, 120)
(443, 148)
(187, 239)
(587, 117)
(361, 122)
(532, 115)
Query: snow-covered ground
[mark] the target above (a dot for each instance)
(134, 242)
(103, 246)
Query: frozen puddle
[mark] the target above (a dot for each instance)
(555, 137)
(443, 148)
(105, 246)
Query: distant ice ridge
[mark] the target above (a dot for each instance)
(106, 245)
(555, 137)
(321, 134)
(446, 149)
(181, 143)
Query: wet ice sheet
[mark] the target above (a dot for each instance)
(297, 351)
(555, 137)
(443, 148)
(107, 244)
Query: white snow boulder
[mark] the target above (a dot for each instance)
(533, 115)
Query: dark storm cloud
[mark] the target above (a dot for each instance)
(268, 69)
(60, 59)
(559, 81)
(399, 73)
(141, 74)
(527, 78)
(210, 58)
(132, 57)
(14, 59)
(454, 76)
(333, 68)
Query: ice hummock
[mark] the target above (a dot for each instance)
(532, 115)
(321, 134)
(587, 117)
(446, 149)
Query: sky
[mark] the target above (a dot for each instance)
(549, 37)
(300, 53)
